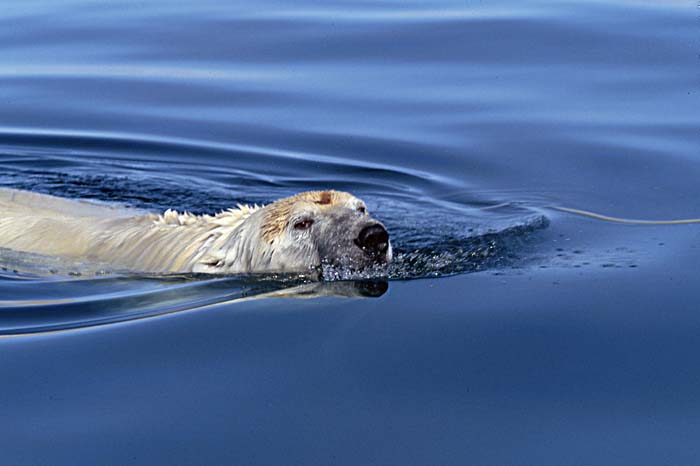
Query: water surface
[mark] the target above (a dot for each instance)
(507, 331)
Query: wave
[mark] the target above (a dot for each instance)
(438, 226)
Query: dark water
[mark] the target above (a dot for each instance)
(506, 333)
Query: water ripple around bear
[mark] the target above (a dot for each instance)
(438, 228)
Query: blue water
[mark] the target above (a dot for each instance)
(507, 332)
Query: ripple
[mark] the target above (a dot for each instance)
(438, 226)
(95, 302)
(85, 303)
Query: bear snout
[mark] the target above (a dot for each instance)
(373, 240)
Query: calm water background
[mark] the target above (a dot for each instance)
(509, 333)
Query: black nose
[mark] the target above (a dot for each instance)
(374, 239)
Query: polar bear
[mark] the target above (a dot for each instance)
(294, 234)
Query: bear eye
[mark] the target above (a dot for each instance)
(362, 210)
(304, 224)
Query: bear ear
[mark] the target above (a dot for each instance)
(324, 197)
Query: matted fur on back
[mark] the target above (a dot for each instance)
(126, 238)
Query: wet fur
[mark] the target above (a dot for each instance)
(245, 239)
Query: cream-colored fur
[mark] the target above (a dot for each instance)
(125, 238)
(245, 239)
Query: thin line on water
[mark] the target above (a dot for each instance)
(627, 221)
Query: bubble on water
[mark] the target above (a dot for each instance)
(453, 255)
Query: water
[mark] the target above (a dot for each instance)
(507, 331)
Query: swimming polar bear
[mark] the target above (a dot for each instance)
(294, 234)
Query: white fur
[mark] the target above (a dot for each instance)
(125, 238)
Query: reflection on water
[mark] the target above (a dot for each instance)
(79, 303)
